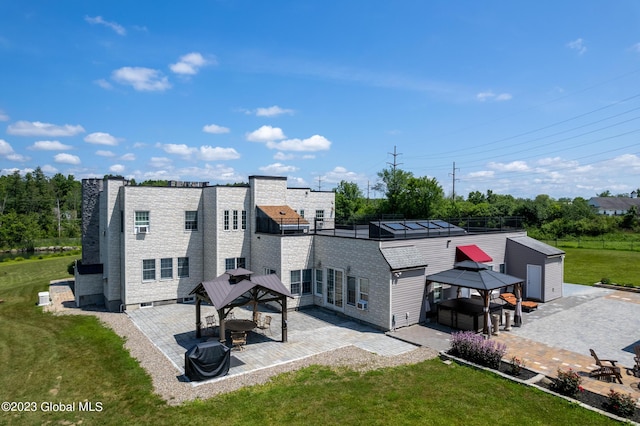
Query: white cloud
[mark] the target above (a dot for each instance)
(218, 172)
(278, 168)
(636, 47)
(314, 143)
(159, 162)
(37, 128)
(215, 129)
(281, 156)
(104, 84)
(138, 145)
(577, 45)
(266, 134)
(116, 168)
(489, 95)
(101, 138)
(273, 111)
(119, 29)
(50, 146)
(482, 174)
(5, 147)
(340, 173)
(66, 159)
(208, 153)
(177, 149)
(189, 64)
(17, 157)
(103, 153)
(128, 157)
(3, 116)
(514, 166)
(141, 79)
(308, 157)
(49, 169)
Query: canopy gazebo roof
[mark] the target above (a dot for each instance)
(474, 275)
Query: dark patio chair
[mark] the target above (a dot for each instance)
(266, 324)
(636, 368)
(211, 323)
(238, 340)
(608, 372)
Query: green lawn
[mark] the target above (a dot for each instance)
(588, 266)
(67, 359)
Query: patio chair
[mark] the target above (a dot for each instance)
(266, 324)
(511, 301)
(608, 372)
(211, 323)
(636, 368)
(238, 340)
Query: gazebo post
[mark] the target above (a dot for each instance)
(487, 326)
(198, 321)
(517, 317)
(222, 330)
(284, 319)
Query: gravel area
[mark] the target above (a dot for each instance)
(167, 380)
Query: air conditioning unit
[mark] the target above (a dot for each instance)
(361, 305)
(142, 229)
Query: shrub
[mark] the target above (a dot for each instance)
(515, 366)
(475, 348)
(619, 404)
(567, 383)
(605, 281)
(71, 268)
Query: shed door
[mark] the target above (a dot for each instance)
(534, 282)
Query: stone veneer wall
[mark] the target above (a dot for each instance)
(91, 189)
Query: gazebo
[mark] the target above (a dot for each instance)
(478, 276)
(237, 287)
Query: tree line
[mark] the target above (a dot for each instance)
(34, 206)
(411, 197)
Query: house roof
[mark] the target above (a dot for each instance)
(404, 257)
(614, 203)
(474, 275)
(472, 252)
(536, 245)
(283, 214)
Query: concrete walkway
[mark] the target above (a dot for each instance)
(560, 333)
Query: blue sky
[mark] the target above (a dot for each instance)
(526, 98)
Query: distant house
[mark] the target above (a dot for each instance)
(614, 206)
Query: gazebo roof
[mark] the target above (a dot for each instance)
(474, 275)
(226, 289)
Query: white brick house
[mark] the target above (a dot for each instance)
(153, 245)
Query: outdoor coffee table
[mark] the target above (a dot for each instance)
(240, 325)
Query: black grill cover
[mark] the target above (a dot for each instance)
(207, 360)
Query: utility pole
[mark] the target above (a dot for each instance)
(319, 183)
(453, 195)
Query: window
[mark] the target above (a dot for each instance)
(319, 281)
(330, 286)
(148, 269)
(320, 215)
(244, 219)
(364, 289)
(235, 262)
(307, 280)
(503, 269)
(183, 267)
(141, 222)
(351, 291)
(230, 264)
(226, 220)
(269, 271)
(296, 278)
(191, 221)
(302, 213)
(235, 219)
(438, 293)
(166, 268)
